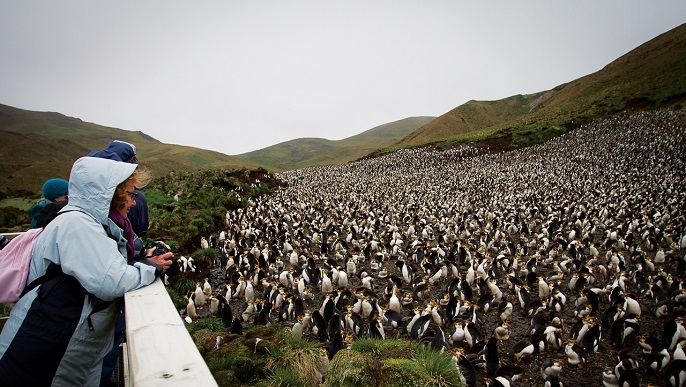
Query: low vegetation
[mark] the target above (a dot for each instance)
(272, 356)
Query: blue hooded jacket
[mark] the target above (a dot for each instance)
(59, 332)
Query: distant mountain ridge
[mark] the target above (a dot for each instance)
(40, 145)
(310, 152)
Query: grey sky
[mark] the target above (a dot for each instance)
(236, 76)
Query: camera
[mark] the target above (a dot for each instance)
(161, 247)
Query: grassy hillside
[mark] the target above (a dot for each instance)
(45, 144)
(308, 152)
(650, 76)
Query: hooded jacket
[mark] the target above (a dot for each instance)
(59, 332)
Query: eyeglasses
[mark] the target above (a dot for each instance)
(132, 195)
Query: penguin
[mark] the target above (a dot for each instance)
(648, 343)
(236, 326)
(337, 343)
(576, 354)
(626, 374)
(199, 297)
(491, 356)
(609, 377)
(553, 381)
(263, 317)
(458, 334)
(503, 331)
(354, 322)
(319, 328)
(675, 373)
(673, 331)
(298, 328)
(465, 366)
(550, 368)
(191, 310)
(214, 305)
(553, 337)
(438, 342)
(657, 360)
(500, 381)
(420, 326)
(472, 334)
(591, 340)
(376, 329)
(334, 324)
(513, 372)
(225, 311)
(525, 349)
(505, 310)
(393, 319)
(207, 288)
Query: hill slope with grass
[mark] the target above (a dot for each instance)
(46, 144)
(651, 76)
(310, 152)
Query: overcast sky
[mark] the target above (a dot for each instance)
(237, 76)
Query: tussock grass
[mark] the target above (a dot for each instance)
(297, 355)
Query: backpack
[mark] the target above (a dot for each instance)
(15, 260)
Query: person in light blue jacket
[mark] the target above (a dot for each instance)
(58, 333)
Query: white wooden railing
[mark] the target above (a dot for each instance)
(160, 351)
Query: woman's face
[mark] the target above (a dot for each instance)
(130, 200)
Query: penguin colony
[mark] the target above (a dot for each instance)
(552, 265)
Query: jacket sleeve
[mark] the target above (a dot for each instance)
(89, 255)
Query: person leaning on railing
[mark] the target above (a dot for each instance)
(59, 332)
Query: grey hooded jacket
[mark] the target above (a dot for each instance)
(59, 332)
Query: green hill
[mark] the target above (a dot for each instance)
(40, 145)
(310, 152)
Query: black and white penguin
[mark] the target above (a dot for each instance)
(550, 368)
(525, 349)
(319, 326)
(236, 326)
(576, 354)
(376, 329)
(657, 360)
(626, 374)
(503, 331)
(337, 343)
(504, 310)
(491, 356)
(420, 326)
(500, 381)
(393, 319)
(673, 330)
(465, 366)
(591, 339)
(438, 342)
(264, 317)
(675, 373)
(609, 377)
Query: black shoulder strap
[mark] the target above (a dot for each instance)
(54, 271)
